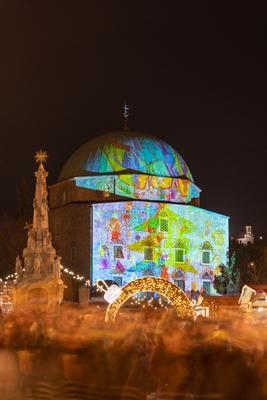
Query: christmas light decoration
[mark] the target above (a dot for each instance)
(150, 284)
(111, 293)
(72, 274)
(66, 271)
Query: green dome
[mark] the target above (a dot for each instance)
(125, 151)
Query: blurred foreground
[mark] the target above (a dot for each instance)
(71, 353)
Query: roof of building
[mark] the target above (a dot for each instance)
(125, 151)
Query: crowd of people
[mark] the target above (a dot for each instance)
(151, 352)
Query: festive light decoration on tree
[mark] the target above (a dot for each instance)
(150, 284)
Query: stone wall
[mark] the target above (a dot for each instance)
(69, 226)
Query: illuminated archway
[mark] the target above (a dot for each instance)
(150, 284)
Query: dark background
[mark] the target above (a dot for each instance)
(193, 74)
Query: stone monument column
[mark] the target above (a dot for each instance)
(42, 269)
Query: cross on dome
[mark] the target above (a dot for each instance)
(126, 113)
(126, 110)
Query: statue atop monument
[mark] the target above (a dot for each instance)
(57, 267)
(18, 267)
(37, 264)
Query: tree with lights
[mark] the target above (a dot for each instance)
(228, 280)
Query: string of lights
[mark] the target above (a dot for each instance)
(64, 270)
(72, 274)
(8, 278)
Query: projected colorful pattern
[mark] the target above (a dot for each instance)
(140, 153)
(181, 243)
(139, 186)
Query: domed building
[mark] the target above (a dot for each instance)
(126, 206)
(126, 151)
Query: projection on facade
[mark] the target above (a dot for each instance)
(181, 243)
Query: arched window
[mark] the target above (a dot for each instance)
(206, 287)
(164, 225)
(179, 252)
(206, 253)
(118, 251)
(148, 254)
(179, 279)
(163, 222)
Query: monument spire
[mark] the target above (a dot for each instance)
(40, 204)
(41, 264)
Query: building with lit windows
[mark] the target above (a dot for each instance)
(126, 206)
(246, 237)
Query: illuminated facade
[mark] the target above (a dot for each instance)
(181, 243)
(126, 207)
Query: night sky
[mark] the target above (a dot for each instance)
(193, 74)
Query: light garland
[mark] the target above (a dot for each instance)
(9, 278)
(64, 270)
(151, 284)
(74, 276)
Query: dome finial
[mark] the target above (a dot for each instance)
(126, 113)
